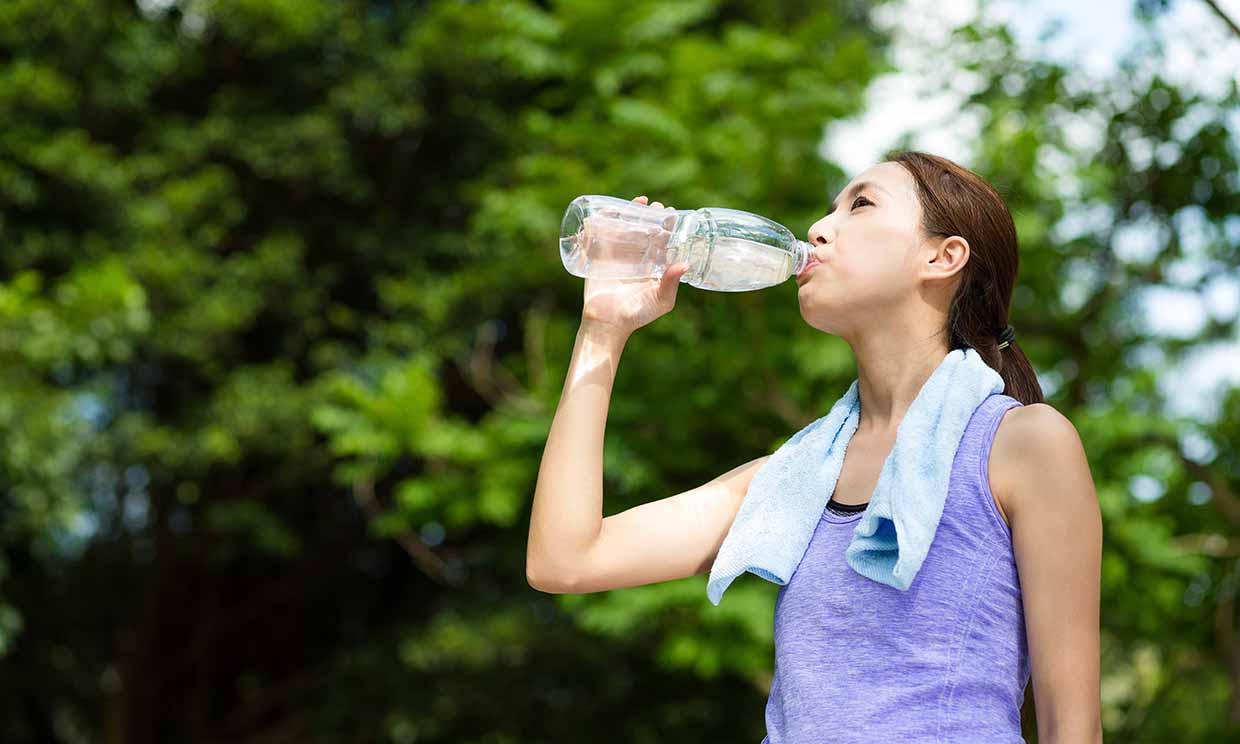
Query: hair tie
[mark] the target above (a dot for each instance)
(1006, 336)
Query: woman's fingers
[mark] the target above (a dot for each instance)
(644, 200)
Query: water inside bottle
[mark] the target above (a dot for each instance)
(613, 248)
(741, 265)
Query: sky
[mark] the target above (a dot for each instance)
(1201, 53)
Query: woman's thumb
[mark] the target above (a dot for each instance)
(671, 277)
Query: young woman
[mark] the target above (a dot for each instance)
(917, 257)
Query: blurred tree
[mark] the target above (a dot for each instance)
(1123, 188)
(283, 328)
(262, 261)
(1153, 8)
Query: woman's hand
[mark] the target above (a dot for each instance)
(622, 306)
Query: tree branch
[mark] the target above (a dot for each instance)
(492, 380)
(430, 564)
(1226, 19)
(1206, 543)
(1225, 499)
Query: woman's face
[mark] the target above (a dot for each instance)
(870, 249)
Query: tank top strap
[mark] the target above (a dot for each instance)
(970, 494)
(990, 411)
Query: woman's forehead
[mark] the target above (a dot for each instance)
(888, 177)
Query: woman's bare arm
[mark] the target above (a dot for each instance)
(572, 547)
(1050, 499)
(671, 538)
(568, 498)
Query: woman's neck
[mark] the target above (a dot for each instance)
(890, 374)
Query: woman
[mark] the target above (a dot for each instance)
(917, 257)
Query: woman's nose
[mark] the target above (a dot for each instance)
(820, 233)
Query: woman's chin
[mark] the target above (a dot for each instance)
(807, 293)
(814, 305)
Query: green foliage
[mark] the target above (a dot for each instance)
(283, 329)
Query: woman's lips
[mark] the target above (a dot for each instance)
(808, 268)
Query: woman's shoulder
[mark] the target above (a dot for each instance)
(1029, 438)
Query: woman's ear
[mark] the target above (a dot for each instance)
(947, 256)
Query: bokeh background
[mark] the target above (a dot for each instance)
(283, 326)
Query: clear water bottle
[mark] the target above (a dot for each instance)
(728, 250)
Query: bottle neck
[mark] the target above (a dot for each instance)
(801, 256)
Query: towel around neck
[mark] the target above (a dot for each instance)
(789, 492)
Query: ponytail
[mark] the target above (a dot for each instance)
(957, 201)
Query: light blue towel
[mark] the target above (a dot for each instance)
(789, 493)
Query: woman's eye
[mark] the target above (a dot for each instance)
(860, 198)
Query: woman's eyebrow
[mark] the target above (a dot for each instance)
(859, 186)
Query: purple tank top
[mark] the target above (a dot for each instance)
(945, 661)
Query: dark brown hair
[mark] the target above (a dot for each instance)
(956, 201)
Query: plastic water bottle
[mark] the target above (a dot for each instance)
(728, 250)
